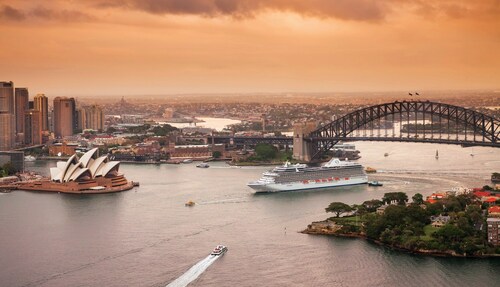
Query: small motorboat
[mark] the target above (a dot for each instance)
(375, 183)
(219, 250)
(386, 154)
(370, 170)
(29, 158)
(187, 160)
(190, 203)
(203, 165)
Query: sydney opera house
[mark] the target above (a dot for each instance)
(88, 174)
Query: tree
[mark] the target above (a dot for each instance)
(449, 233)
(338, 208)
(400, 197)
(216, 154)
(266, 151)
(372, 205)
(8, 169)
(418, 198)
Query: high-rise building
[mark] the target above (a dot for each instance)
(94, 118)
(42, 104)
(33, 127)
(7, 116)
(82, 119)
(64, 116)
(21, 103)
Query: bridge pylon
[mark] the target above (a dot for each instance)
(302, 150)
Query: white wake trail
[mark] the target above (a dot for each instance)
(194, 272)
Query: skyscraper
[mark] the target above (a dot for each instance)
(64, 116)
(42, 105)
(94, 118)
(21, 101)
(7, 118)
(33, 127)
(82, 120)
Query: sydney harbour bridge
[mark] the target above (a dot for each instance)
(400, 121)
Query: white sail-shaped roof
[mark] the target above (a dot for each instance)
(88, 157)
(72, 169)
(54, 174)
(97, 165)
(88, 165)
(80, 173)
(109, 166)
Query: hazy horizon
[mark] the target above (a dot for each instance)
(145, 47)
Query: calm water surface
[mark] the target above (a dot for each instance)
(147, 237)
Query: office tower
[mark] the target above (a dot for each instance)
(64, 116)
(21, 103)
(94, 118)
(81, 116)
(41, 104)
(7, 116)
(33, 127)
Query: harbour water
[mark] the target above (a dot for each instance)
(147, 237)
(217, 124)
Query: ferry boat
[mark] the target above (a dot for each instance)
(301, 177)
(219, 250)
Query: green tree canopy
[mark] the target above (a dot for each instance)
(163, 130)
(449, 233)
(338, 208)
(418, 198)
(266, 151)
(372, 205)
(400, 197)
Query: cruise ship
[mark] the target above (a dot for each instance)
(301, 177)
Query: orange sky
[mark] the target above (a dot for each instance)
(134, 47)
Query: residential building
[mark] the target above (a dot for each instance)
(494, 211)
(493, 230)
(41, 103)
(94, 118)
(7, 116)
(64, 116)
(33, 127)
(21, 105)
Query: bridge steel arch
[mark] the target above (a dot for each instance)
(487, 128)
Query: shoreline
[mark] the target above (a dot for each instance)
(310, 230)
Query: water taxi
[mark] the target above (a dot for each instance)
(219, 250)
(375, 183)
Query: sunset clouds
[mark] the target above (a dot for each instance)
(184, 46)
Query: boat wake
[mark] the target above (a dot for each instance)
(231, 200)
(194, 272)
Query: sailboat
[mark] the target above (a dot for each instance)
(437, 154)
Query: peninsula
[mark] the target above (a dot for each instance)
(460, 224)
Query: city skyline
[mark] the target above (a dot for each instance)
(128, 47)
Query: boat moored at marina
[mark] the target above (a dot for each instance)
(301, 177)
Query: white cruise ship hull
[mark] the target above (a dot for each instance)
(306, 184)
